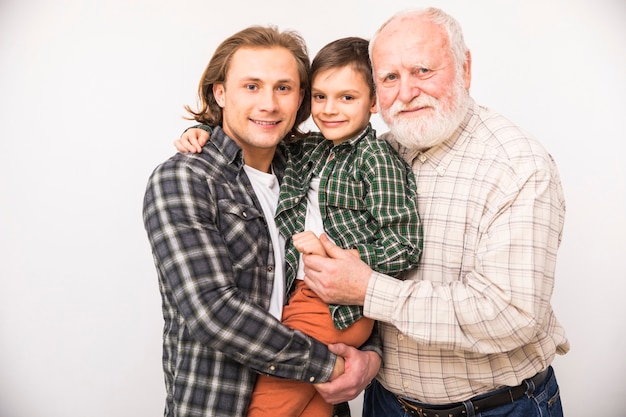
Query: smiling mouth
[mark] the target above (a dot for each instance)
(264, 122)
(414, 109)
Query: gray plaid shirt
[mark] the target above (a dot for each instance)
(215, 265)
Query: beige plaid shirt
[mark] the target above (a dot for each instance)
(476, 314)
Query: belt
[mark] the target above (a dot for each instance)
(481, 403)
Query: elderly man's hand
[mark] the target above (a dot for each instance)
(340, 278)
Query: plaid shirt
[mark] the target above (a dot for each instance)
(367, 199)
(476, 314)
(215, 263)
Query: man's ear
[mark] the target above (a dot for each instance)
(218, 93)
(467, 70)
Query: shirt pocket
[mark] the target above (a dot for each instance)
(345, 194)
(245, 234)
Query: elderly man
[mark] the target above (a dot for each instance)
(472, 329)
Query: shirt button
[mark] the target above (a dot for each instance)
(440, 170)
(400, 336)
(405, 384)
(312, 379)
(270, 268)
(422, 157)
(244, 214)
(272, 368)
(296, 200)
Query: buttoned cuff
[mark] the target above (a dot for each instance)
(381, 297)
(315, 367)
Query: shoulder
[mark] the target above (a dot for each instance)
(219, 153)
(184, 168)
(305, 145)
(506, 141)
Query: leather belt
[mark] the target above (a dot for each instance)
(481, 403)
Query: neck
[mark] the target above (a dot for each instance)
(259, 159)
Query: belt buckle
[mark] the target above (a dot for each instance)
(411, 409)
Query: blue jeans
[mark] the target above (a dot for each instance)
(545, 401)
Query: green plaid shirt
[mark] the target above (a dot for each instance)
(368, 201)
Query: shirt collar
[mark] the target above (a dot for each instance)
(227, 147)
(318, 157)
(234, 155)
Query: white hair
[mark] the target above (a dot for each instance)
(437, 16)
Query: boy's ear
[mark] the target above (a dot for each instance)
(374, 107)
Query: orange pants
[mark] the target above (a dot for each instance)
(275, 397)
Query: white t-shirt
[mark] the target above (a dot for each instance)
(267, 190)
(313, 220)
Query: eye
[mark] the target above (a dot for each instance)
(251, 87)
(422, 73)
(319, 97)
(347, 97)
(388, 80)
(283, 88)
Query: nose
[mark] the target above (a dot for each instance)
(409, 89)
(329, 106)
(267, 100)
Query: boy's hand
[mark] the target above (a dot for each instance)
(192, 140)
(307, 243)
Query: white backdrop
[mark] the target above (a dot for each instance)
(92, 95)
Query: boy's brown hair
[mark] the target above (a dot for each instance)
(351, 51)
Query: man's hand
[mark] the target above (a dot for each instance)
(360, 368)
(192, 140)
(340, 278)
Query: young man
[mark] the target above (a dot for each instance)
(472, 329)
(209, 219)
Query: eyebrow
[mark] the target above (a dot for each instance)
(382, 74)
(279, 81)
(344, 91)
(417, 65)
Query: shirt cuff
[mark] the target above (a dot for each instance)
(381, 297)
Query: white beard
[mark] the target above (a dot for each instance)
(419, 133)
